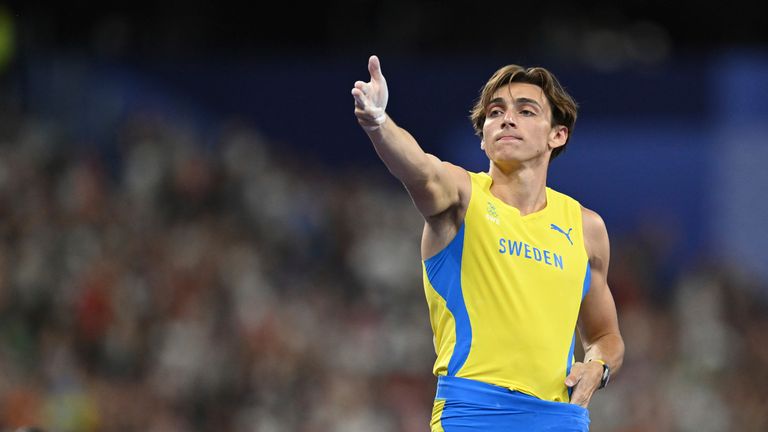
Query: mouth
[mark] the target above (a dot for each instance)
(507, 138)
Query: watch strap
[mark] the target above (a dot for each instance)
(606, 376)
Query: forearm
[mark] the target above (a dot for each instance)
(395, 146)
(401, 154)
(608, 348)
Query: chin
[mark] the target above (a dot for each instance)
(516, 158)
(508, 156)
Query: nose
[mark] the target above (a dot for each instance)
(509, 119)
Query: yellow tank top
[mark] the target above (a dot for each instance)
(504, 295)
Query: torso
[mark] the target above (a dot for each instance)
(504, 290)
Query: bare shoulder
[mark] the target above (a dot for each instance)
(454, 175)
(441, 228)
(593, 222)
(595, 234)
(461, 178)
(452, 169)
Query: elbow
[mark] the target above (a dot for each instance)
(619, 354)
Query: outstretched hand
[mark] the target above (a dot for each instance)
(371, 97)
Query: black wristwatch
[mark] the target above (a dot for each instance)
(606, 374)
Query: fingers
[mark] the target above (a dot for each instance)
(583, 388)
(573, 378)
(577, 371)
(360, 93)
(359, 98)
(371, 97)
(579, 396)
(374, 67)
(361, 85)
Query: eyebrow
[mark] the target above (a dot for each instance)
(518, 101)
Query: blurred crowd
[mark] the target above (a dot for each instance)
(182, 282)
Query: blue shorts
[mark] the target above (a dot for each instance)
(464, 405)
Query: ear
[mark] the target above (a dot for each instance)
(482, 144)
(558, 136)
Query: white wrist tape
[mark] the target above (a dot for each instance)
(379, 120)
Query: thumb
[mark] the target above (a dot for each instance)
(374, 67)
(572, 379)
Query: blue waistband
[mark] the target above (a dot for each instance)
(469, 391)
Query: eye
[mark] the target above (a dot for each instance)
(527, 112)
(494, 112)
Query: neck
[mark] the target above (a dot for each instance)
(522, 187)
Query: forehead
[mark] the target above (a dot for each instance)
(513, 91)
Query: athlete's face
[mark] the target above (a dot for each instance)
(518, 125)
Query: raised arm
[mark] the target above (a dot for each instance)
(435, 186)
(598, 323)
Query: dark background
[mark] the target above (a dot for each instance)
(195, 234)
(333, 28)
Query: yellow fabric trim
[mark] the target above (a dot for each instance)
(437, 412)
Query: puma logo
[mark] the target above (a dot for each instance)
(560, 230)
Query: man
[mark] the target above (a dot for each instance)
(511, 267)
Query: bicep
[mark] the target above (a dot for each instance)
(598, 310)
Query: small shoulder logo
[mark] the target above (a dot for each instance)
(492, 215)
(561, 231)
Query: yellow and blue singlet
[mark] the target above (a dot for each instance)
(503, 298)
